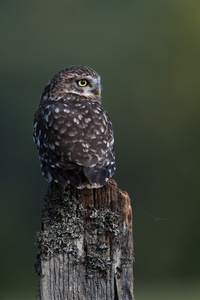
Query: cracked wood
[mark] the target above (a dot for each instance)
(85, 246)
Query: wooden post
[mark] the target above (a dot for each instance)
(85, 246)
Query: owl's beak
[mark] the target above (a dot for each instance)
(97, 91)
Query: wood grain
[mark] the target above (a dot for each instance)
(85, 246)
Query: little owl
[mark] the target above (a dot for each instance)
(73, 133)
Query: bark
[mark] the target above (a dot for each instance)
(85, 246)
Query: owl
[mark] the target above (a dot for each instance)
(73, 133)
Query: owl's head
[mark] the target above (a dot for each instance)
(80, 80)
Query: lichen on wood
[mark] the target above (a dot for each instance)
(85, 246)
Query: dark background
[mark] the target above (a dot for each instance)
(147, 53)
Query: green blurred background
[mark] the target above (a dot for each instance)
(147, 52)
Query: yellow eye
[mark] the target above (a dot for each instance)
(82, 82)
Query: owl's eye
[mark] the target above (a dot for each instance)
(82, 82)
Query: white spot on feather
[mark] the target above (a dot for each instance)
(93, 136)
(57, 116)
(76, 121)
(62, 130)
(97, 132)
(68, 124)
(87, 120)
(85, 145)
(96, 111)
(71, 133)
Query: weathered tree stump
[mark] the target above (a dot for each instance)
(85, 246)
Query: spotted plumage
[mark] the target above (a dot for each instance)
(73, 133)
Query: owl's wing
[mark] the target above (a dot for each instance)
(74, 132)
